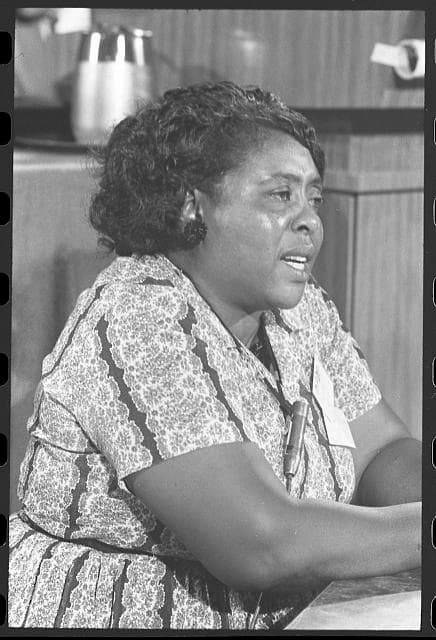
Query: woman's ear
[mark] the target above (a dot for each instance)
(192, 218)
(192, 208)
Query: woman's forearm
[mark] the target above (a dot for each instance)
(226, 505)
(393, 476)
(332, 541)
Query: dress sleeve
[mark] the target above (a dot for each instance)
(354, 387)
(152, 397)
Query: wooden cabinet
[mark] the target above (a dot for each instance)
(371, 265)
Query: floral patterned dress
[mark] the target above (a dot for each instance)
(144, 370)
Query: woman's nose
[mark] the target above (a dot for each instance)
(307, 221)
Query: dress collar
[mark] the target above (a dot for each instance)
(294, 319)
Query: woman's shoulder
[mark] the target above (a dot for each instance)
(146, 284)
(141, 270)
(130, 292)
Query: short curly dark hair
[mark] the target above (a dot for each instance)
(189, 138)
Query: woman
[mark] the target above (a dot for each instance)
(153, 488)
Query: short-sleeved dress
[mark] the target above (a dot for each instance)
(144, 370)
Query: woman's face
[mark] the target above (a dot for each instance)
(264, 233)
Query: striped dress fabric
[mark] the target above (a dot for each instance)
(144, 370)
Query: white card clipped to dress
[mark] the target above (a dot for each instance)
(336, 424)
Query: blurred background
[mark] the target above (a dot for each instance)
(370, 121)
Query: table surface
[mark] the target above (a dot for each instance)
(380, 603)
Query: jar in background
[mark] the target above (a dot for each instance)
(114, 75)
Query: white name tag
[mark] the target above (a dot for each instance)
(322, 386)
(337, 427)
(336, 424)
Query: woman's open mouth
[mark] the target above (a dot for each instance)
(296, 262)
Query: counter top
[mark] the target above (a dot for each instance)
(380, 603)
(45, 159)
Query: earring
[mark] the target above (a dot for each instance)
(194, 232)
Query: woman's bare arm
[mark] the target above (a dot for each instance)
(229, 509)
(387, 459)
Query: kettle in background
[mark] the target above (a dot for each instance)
(114, 75)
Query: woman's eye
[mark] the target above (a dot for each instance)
(316, 201)
(283, 195)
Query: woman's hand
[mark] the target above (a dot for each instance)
(230, 510)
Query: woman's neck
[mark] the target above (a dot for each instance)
(245, 328)
(241, 324)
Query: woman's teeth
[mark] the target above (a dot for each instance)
(297, 262)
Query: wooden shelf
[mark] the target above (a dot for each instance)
(403, 98)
